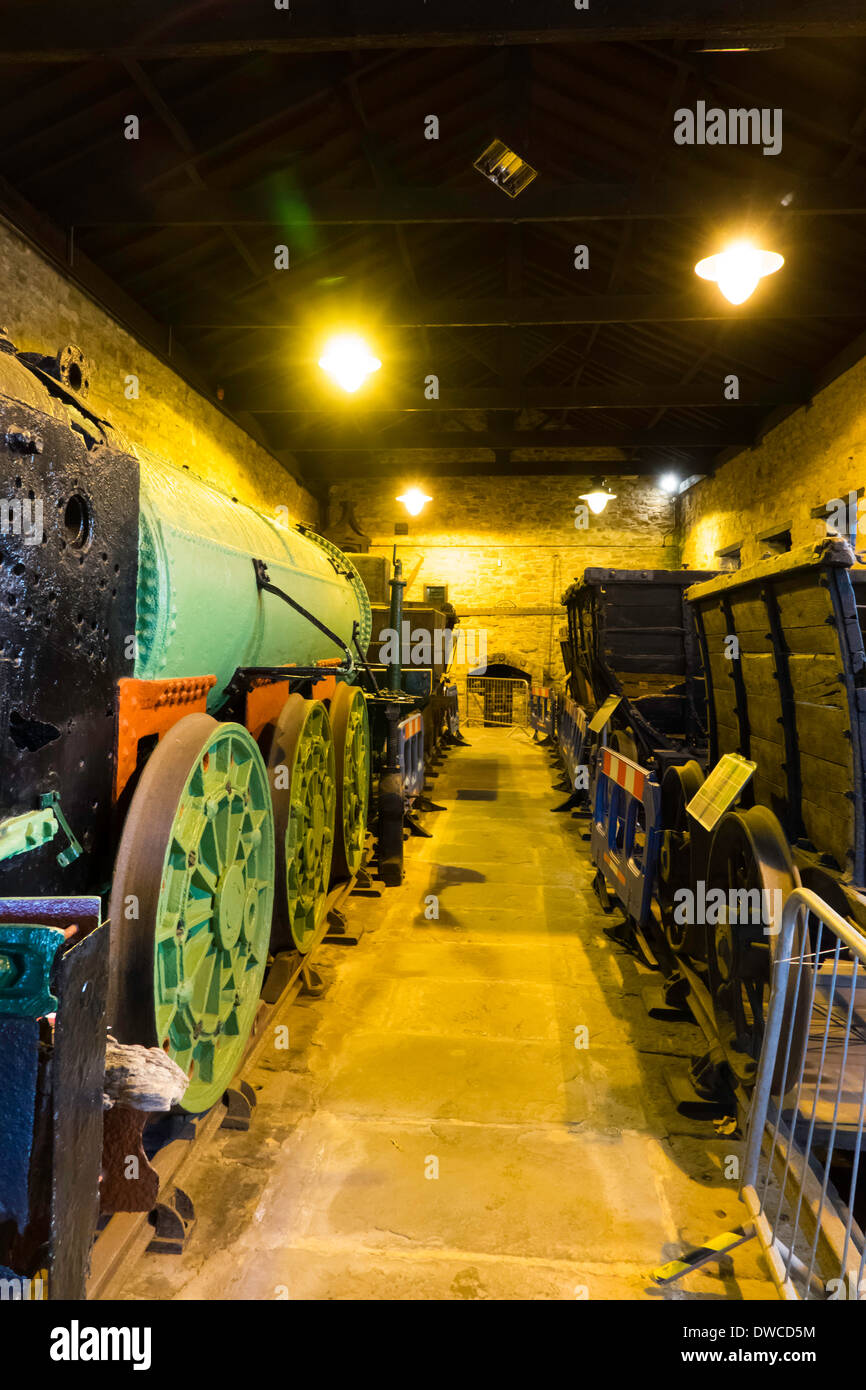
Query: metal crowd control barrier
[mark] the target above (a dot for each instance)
(626, 831)
(410, 755)
(495, 700)
(541, 710)
(452, 709)
(805, 1135)
(571, 733)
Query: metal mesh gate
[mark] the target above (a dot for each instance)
(495, 700)
(805, 1141)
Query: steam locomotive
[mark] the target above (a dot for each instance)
(182, 731)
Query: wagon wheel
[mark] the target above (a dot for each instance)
(623, 741)
(828, 886)
(191, 903)
(351, 733)
(299, 752)
(679, 785)
(749, 851)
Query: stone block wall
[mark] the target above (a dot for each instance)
(508, 547)
(42, 310)
(818, 453)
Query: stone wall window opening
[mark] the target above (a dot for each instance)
(776, 541)
(730, 556)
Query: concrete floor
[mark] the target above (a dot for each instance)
(447, 1047)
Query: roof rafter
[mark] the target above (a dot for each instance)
(480, 203)
(56, 32)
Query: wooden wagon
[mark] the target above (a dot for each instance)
(783, 652)
(780, 648)
(631, 633)
(785, 669)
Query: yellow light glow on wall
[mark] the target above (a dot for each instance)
(738, 269)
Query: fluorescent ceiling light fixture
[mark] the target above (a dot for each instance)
(414, 500)
(669, 482)
(348, 361)
(506, 169)
(738, 269)
(598, 499)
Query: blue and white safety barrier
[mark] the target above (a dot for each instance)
(542, 710)
(626, 831)
(571, 734)
(410, 755)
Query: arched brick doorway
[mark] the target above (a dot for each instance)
(498, 699)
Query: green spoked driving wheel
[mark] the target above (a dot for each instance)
(191, 902)
(299, 752)
(351, 729)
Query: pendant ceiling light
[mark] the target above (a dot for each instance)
(739, 269)
(598, 498)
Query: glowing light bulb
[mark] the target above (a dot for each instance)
(738, 269)
(414, 500)
(598, 499)
(349, 361)
(669, 482)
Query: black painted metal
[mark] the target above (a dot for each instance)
(712, 722)
(844, 598)
(77, 1074)
(618, 629)
(390, 809)
(792, 819)
(696, 694)
(19, 1052)
(57, 1114)
(67, 617)
(739, 685)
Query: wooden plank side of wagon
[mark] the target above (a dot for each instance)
(826, 754)
(822, 709)
(844, 589)
(801, 652)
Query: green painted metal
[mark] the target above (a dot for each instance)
(26, 956)
(200, 610)
(20, 834)
(351, 729)
(213, 916)
(310, 832)
(73, 850)
(302, 769)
